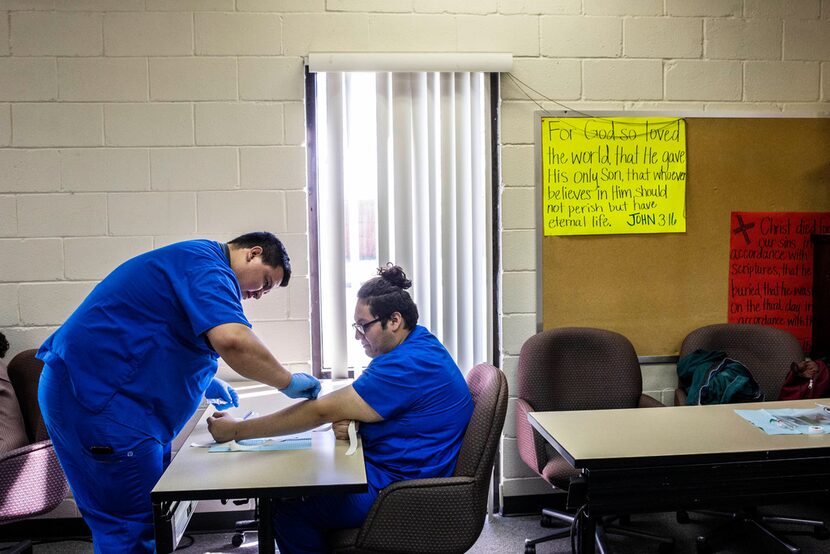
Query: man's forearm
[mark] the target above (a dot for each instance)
(247, 355)
(293, 419)
(342, 404)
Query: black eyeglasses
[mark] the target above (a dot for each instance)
(361, 327)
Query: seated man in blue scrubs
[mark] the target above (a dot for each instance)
(130, 366)
(412, 401)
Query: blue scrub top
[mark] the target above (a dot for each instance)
(425, 403)
(137, 344)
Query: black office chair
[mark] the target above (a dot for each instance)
(767, 352)
(442, 515)
(575, 368)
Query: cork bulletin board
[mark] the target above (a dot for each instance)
(655, 288)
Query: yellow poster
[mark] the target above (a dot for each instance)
(617, 175)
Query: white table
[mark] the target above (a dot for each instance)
(196, 474)
(681, 457)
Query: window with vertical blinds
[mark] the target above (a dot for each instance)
(401, 172)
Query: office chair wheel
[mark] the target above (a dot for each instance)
(821, 532)
(702, 546)
(530, 549)
(682, 516)
(238, 539)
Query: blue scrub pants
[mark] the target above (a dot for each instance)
(300, 524)
(111, 489)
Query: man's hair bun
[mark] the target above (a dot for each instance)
(387, 294)
(394, 275)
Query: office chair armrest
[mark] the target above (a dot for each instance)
(647, 401)
(24, 451)
(33, 480)
(445, 506)
(530, 443)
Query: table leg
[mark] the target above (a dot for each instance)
(158, 522)
(265, 529)
(587, 528)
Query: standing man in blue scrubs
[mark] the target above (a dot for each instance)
(130, 366)
(412, 401)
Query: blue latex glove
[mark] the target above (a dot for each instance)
(302, 385)
(221, 395)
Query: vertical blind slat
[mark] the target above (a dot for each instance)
(402, 170)
(463, 220)
(479, 274)
(448, 202)
(332, 245)
(434, 161)
(420, 231)
(383, 87)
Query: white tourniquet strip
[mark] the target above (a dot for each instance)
(352, 439)
(234, 446)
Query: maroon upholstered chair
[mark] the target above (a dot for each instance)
(441, 515)
(31, 479)
(574, 368)
(767, 352)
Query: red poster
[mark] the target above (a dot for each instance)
(771, 270)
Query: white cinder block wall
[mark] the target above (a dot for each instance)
(129, 124)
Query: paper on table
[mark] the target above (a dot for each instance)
(790, 421)
(297, 441)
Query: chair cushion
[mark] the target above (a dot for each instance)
(558, 472)
(12, 429)
(343, 540)
(32, 482)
